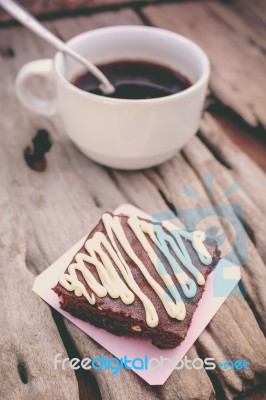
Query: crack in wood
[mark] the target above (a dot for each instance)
(113, 175)
(97, 202)
(144, 19)
(219, 392)
(7, 52)
(168, 203)
(87, 383)
(252, 306)
(35, 257)
(22, 371)
(212, 149)
(218, 107)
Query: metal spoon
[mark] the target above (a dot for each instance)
(23, 16)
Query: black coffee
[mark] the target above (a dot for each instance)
(135, 80)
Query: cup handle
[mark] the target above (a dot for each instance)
(27, 98)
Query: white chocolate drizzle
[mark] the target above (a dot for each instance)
(103, 252)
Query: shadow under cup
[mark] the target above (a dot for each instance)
(132, 134)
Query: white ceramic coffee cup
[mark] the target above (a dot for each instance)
(120, 133)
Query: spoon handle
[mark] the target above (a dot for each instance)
(26, 19)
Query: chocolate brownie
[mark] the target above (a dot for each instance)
(119, 318)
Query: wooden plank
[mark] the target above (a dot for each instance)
(173, 176)
(27, 325)
(238, 61)
(244, 170)
(251, 141)
(254, 14)
(205, 163)
(59, 7)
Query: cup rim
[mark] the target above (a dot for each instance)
(203, 78)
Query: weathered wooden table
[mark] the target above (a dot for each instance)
(44, 213)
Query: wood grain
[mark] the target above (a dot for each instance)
(251, 141)
(235, 50)
(43, 214)
(26, 368)
(63, 7)
(170, 179)
(254, 14)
